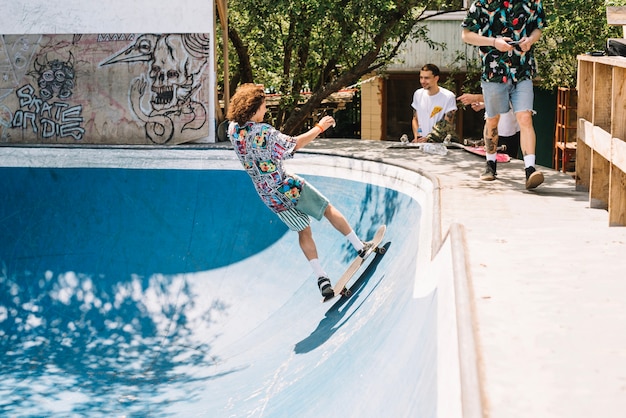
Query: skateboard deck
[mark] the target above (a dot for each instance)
(407, 145)
(476, 149)
(340, 286)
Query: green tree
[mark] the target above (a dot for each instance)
(321, 45)
(574, 27)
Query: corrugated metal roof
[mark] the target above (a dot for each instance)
(445, 29)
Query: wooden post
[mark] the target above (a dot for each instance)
(616, 16)
(583, 155)
(617, 196)
(222, 10)
(600, 169)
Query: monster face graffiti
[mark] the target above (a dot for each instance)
(55, 78)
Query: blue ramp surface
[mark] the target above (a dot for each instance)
(162, 293)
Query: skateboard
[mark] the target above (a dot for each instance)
(406, 145)
(478, 148)
(340, 287)
(410, 145)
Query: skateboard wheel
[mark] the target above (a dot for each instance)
(346, 292)
(381, 250)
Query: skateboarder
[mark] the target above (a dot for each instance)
(261, 149)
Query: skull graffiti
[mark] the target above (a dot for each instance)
(173, 73)
(175, 64)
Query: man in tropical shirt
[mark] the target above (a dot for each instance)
(505, 32)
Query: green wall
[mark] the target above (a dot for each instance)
(545, 105)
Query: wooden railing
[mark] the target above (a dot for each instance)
(601, 146)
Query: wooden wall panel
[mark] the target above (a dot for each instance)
(132, 89)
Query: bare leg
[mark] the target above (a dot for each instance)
(307, 244)
(337, 220)
(305, 237)
(528, 138)
(491, 134)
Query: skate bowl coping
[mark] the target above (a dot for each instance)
(154, 281)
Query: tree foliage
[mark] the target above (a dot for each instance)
(574, 27)
(319, 45)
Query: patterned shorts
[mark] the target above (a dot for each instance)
(295, 219)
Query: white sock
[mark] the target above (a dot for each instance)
(355, 241)
(491, 157)
(317, 268)
(529, 160)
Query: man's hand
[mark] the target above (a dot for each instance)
(503, 45)
(476, 106)
(468, 99)
(326, 122)
(473, 100)
(525, 44)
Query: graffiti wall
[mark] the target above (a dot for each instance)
(135, 89)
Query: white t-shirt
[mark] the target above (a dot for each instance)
(431, 109)
(507, 124)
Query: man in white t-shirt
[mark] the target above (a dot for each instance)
(431, 105)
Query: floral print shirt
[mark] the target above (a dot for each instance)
(506, 18)
(261, 150)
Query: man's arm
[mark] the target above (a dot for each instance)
(468, 98)
(415, 125)
(475, 101)
(527, 42)
(304, 139)
(475, 39)
(450, 117)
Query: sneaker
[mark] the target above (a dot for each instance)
(325, 287)
(490, 171)
(367, 248)
(533, 177)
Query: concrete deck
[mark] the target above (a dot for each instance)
(548, 277)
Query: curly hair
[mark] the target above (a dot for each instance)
(247, 99)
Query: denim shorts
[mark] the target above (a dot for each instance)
(500, 97)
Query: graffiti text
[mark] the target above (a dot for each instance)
(49, 120)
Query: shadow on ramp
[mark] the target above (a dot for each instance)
(335, 316)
